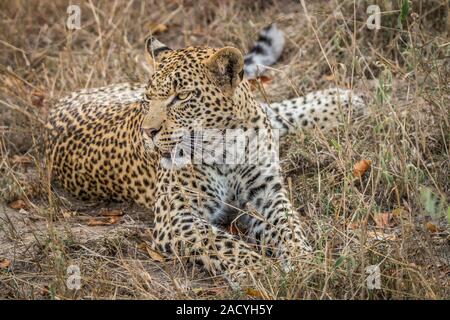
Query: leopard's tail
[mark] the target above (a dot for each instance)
(324, 109)
(265, 52)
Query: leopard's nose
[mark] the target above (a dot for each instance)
(151, 132)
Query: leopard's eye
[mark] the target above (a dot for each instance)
(183, 95)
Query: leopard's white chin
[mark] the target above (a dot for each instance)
(174, 162)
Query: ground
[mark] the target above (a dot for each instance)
(392, 217)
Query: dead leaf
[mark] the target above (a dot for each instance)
(254, 293)
(95, 222)
(398, 212)
(19, 204)
(155, 255)
(142, 246)
(432, 227)
(21, 160)
(361, 167)
(113, 220)
(354, 225)
(233, 229)
(67, 214)
(4, 263)
(103, 222)
(382, 220)
(37, 98)
(263, 80)
(152, 253)
(111, 213)
(329, 77)
(380, 236)
(156, 28)
(208, 291)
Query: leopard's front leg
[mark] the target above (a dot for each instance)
(180, 229)
(272, 221)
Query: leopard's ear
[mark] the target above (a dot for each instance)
(154, 49)
(227, 68)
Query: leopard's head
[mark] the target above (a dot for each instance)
(191, 89)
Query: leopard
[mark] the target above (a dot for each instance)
(127, 142)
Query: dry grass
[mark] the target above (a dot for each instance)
(402, 69)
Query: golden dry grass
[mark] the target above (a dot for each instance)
(403, 70)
